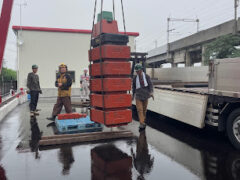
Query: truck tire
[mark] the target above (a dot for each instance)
(233, 128)
(233, 166)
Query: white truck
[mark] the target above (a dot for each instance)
(216, 105)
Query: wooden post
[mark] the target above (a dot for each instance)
(83, 137)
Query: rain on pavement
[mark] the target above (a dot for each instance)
(167, 150)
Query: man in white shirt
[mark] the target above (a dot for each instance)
(84, 85)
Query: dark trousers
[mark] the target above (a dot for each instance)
(34, 100)
(62, 101)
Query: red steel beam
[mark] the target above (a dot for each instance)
(4, 24)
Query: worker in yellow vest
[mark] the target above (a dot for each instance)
(63, 83)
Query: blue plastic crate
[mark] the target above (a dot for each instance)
(77, 125)
(29, 97)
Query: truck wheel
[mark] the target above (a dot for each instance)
(233, 166)
(233, 128)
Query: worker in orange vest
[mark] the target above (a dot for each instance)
(142, 89)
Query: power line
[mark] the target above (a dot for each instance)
(216, 5)
(236, 3)
(215, 15)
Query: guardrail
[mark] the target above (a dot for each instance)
(8, 97)
(7, 88)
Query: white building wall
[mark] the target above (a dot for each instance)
(48, 50)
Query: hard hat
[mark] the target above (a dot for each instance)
(34, 66)
(138, 67)
(85, 69)
(62, 65)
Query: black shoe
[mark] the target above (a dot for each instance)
(36, 113)
(51, 124)
(142, 127)
(32, 114)
(51, 118)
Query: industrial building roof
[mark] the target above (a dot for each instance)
(83, 31)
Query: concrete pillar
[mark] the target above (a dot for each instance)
(153, 71)
(171, 60)
(174, 64)
(188, 61)
(203, 58)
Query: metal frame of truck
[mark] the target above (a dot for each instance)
(218, 105)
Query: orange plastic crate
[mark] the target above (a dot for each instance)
(110, 52)
(111, 68)
(107, 27)
(111, 100)
(71, 116)
(111, 84)
(116, 117)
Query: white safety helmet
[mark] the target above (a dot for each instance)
(85, 69)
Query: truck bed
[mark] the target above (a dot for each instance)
(202, 90)
(187, 105)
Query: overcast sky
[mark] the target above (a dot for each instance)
(148, 17)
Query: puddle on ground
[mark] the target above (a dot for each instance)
(167, 150)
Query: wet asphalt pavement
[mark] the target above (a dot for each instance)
(167, 150)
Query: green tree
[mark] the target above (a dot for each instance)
(8, 74)
(222, 47)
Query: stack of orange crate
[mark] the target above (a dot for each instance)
(110, 71)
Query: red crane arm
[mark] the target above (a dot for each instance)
(4, 24)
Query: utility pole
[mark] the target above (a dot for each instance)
(168, 31)
(197, 20)
(19, 37)
(236, 3)
(156, 45)
(135, 45)
(20, 14)
(168, 20)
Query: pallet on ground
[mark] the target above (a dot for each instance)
(77, 125)
(83, 137)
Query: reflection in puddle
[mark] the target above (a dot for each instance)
(142, 160)
(65, 156)
(168, 150)
(205, 152)
(35, 136)
(109, 162)
(2, 174)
